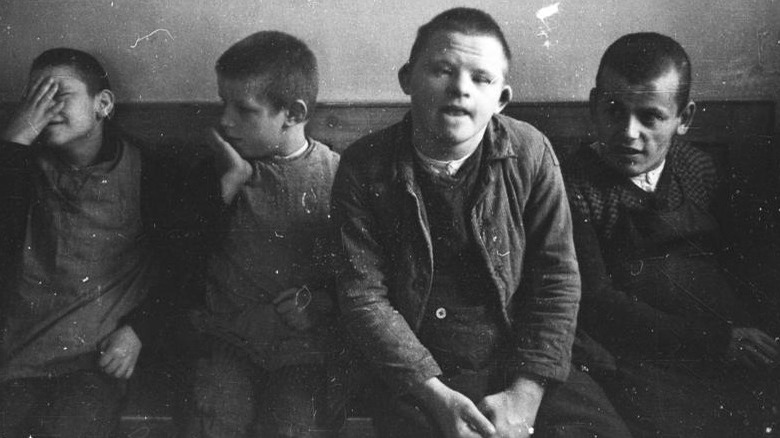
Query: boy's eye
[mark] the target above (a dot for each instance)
(650, 117)
(441, 70)
(482, 79)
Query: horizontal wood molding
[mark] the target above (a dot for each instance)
(340, 124)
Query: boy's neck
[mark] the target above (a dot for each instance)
(293, 141)
(82, 152)
(443, 151)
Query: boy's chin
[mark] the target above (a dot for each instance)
(255, 152)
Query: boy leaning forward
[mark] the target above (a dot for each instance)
(459, 282)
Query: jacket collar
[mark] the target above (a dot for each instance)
(496, 146)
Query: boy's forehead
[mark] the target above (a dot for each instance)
(63, 74)
(252, 86)
(485, 46)
(667, 82)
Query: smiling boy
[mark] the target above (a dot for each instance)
(458, 280)
(687, 359)
(78, 234)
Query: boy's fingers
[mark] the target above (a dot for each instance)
(478, 422)
(121, 370)
(105, 359)
(32, 87)
(129, 372)
(112, 365)
(46, 90)
(766, 345)
(286, 306)
(285, 294)
(55, 109)
(218, 144)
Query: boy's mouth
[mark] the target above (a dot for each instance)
(230, 139)
(455, 111)
(622, 150)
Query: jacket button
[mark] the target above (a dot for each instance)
(441, 313)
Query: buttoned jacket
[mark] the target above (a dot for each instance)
(520, 219)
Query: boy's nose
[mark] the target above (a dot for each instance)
(632, 127)
(460, 84)
(626, 125)
(225, 120)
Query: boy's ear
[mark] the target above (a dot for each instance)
(297, 113)
(405, 78)
(104, 104)
(504, 98)
(686, 118)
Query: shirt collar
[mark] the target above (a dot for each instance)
(447, 167)
(649, 180)
(295, 154)
(646, 181)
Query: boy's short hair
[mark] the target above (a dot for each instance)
(468, 21)
(89, 69)
(286, 65)
(643, 57)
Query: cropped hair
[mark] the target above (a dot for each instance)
(86, 66)
(468, 21)
(643, 57)
(285, 66)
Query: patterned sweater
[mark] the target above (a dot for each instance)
(652, 282)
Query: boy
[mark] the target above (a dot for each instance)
(268, 276)
(76, 253)
(459, 281)
(688, 360)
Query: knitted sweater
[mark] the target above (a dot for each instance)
(652, 283)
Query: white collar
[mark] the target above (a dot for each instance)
(649, 180)
(447, 167)
(297, 153)
(646, 181)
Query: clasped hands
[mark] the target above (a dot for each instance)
(507, 414)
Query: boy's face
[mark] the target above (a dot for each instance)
(251, 125)
(636, 123)
(456, 85)
(80, 118)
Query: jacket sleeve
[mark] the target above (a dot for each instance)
(626, 324)
(379, 332)
(545, 316)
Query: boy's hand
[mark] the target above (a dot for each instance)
(456, 414)
(35, 111)
(753, 349)
(513, 411)
(300, 309)
(119, 352)
(233, 170)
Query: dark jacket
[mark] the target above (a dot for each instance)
(520, 220)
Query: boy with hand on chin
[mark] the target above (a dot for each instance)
(267, 277)
(458, 279)
(77, 240)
